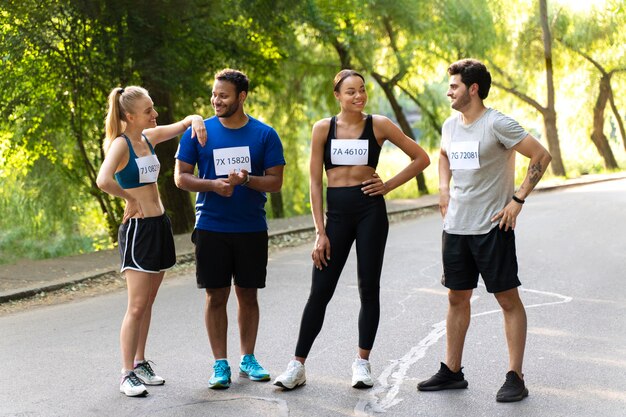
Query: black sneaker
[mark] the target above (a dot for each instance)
(513, 389)
(443, 379)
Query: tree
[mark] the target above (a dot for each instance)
(597, 40)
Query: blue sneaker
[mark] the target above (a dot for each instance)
(250, 368)
(221, 375)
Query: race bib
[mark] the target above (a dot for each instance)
(348, 151)
(148, 167)
(464, 155)
(228, 159)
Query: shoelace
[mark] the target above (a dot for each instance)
(511, 382)
(133, 379)
(146, 366)
(220, 369)
(252, 363)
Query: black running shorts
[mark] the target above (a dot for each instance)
(222, 257)
(147, 244)
(491, 255)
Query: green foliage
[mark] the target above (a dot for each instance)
(60, 58)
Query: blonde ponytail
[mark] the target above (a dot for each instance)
(121, 101)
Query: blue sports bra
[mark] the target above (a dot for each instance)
(139, 171)
(345, 154)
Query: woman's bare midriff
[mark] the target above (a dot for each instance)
(348, 176)
(149, 200)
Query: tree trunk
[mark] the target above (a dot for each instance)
(597, 135)
(402, 120)
(618, 117)
(177, 202)
(552, 134)
(276, 201)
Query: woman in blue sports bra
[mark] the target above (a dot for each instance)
(347, 147)
(130, 170)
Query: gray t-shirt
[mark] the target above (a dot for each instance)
(483, 170)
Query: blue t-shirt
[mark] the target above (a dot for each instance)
(256, 144)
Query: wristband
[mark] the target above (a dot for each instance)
(247, 180)
(518, 200)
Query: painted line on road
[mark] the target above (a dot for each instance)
(383, 397)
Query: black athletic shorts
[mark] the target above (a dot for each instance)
(491, 255)
(222, 257)
(147, 244)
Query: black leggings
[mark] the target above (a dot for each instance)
(351, 215)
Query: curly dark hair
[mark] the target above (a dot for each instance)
(472, 71)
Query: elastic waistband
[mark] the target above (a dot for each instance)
(154, 219)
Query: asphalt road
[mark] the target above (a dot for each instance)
(63, 360)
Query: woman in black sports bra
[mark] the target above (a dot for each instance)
(347, 147)
(130, 170)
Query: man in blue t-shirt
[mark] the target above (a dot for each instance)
(242, 160)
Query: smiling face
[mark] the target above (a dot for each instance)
(143, 113)
(352, 95)
(225, 100)
(459, 93)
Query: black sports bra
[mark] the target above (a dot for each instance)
(344, 155)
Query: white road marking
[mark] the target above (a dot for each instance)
(383, 396)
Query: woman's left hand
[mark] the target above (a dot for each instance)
(374, 186)
(198, 129)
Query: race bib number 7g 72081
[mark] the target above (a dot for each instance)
(232, 159)
(464, 155)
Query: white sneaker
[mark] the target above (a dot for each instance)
(293, 377)
(362, 374)
(146, 374)
(132, 386)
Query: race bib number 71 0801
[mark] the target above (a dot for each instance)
(232, 159)
(464, 155)
(148, 167)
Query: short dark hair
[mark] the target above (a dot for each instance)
(238, 78)
(342, 75)
(472, 71)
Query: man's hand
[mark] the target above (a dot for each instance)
(508, 215)
(223, 187)
(238, 178)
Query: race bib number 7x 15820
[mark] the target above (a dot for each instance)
(235, 159)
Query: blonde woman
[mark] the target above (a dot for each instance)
(130, 170)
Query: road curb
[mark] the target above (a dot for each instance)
(282, 238)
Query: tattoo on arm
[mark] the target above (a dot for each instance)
(535, 172)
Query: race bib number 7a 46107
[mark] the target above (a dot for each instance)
(235, 159)
(464, 155)
(348, 151)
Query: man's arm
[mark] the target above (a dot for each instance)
(186, 180)
(445, 174)
(271, 182)
(539, 160)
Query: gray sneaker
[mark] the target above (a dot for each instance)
(146, 374)
(362, 374)
(131, 386)
(293, 377)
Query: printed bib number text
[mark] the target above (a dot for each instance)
(149, 167)
(228, 159)
(349, 151)
(464, 155)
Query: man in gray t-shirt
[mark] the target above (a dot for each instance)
(478, 149)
